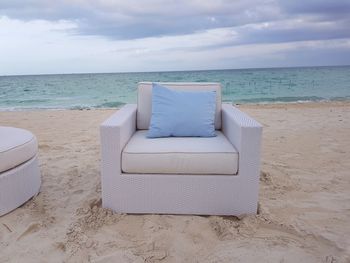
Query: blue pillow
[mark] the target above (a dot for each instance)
(182, 113)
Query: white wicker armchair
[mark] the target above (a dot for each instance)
(205, 194)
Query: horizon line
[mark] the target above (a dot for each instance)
(172, 71)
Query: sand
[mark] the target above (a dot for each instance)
(304, 203)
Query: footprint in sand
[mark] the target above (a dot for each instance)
(44, 147)
(32, 228)
(265, 177)
(151, 253)
(225, 229)
(58, 147)
(95, 202)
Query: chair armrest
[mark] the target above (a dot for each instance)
(115, 132)
(237, 125)
(245, 134)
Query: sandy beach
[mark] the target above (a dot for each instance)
(304, 202)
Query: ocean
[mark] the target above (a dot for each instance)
(109, 90)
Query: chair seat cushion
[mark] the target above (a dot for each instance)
(179, 155)
(16, 147)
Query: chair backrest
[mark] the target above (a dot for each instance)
(144, 99)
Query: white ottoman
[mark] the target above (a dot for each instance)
(19, 169)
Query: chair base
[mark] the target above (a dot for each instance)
(180, 194)
(18, 185)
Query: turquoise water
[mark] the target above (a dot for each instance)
(77, 91)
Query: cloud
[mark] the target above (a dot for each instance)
(138, 19)
(39, 46)
(325, 8)
(114, 35)
(289, 30)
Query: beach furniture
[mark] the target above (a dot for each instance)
(19, 170)
(187, 175)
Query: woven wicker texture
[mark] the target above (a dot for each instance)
(18, 185)
(181, 194)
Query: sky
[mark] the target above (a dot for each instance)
(88, 36)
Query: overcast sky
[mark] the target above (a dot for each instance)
(72, 36)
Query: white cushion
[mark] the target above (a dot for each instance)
(179, 155)
(144, 100)
(16, 147)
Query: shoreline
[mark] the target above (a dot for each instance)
(305, 104)
(311, 104)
